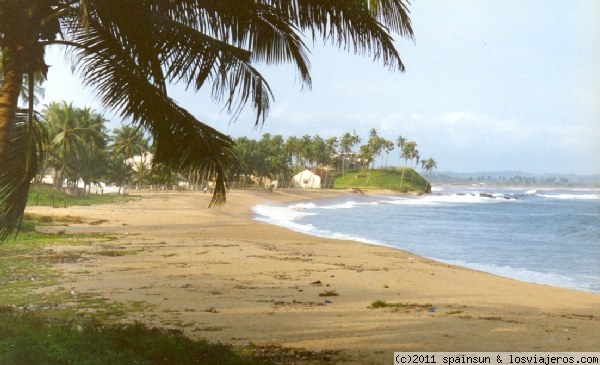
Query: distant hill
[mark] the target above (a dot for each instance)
(383, 179)
(513, 178)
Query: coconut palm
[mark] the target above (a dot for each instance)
(409, 152)
(345, 148)
(400, 141)
(35, 85)
(130, 60)
(129, 141)
(347, 142)
(72, 130)
(388, 146)
(429, 165)
(90, 166)
(90, 163)
(118, 171)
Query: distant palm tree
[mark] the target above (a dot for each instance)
(429, 165)
(409, 152)
(90, 166)
(72, 130)
(354, 141)
(118, 172)
(129, 141)
(345, 142)
(141, 170)
(388, 146)
(400, 141)
(130, 51)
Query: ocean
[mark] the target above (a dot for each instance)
(546, 236)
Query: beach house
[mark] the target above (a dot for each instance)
(307, 180)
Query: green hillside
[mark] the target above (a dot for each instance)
(383, 179)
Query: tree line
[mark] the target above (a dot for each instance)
(278, 158)
(78, 147)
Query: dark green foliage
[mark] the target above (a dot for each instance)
(18, 169)
(45, 196)
(27, 338)
(384, 179)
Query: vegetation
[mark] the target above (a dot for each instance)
(46, 196)
(28, 338)
(279, 159)
(211, 45)
(384, 179)
(383, 304)
(61, 328)
(79, 149)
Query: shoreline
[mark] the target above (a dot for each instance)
(491, 269)
(221, 275)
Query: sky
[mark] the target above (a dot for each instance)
(489, 85)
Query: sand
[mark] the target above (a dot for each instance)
(218, 274)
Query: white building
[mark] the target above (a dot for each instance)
(307, 180)
(135, 161)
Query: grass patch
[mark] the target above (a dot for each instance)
(329, 293)
(46, 196)
(383, 304)
(383, 179)
(52, 220)
(27, 338)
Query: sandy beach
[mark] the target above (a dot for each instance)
(218, 274)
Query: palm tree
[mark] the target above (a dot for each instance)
(293, 148)
(90, 166)
(91, 162)
(34, 83)
(400, 141)
(375, 144)
(118, 171)
(429, 165)
(140, 170)
(345, 148)
(72, 131)
(388, 146)
(129, 141)
(130, 60)
(409, 152)
(354, 141)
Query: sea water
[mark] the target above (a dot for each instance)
(546, 236)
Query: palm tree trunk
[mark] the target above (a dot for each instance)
(403, 170)
(9, 93)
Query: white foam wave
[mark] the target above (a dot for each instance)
(284, 214)
(303, 206)
(347, 205)
(286, 217)
(454, 198)
(570, 196)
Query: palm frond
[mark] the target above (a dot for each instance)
(18, 169)
(361, 26)
(258, 26)
(166, 49)
(181, 141)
